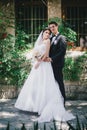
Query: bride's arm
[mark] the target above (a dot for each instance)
(45, 55)
(47, 50)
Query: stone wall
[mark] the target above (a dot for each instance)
(54, 8)
(8, 91)
(74, 91)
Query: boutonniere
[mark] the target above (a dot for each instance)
(55, 42)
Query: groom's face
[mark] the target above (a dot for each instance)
(53, 28)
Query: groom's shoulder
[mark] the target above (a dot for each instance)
(62, 38)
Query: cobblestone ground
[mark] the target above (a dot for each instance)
(16, 117)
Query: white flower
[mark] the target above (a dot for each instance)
(55, 42)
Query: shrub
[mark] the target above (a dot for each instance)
(22, 39)
(11, 62)
(74, 67)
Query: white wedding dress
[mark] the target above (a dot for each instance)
(41, 93)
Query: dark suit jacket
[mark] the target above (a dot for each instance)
(58, 50)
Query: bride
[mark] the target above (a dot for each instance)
(40, 92)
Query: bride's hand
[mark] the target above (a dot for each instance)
(45, 56)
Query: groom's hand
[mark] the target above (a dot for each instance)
(49, 59)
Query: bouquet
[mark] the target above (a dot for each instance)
(37, 56)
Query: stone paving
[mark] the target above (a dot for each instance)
(8, 113)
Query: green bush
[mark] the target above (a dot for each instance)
(13, 68)
(11, 62)
(22, 40)
(74, 67)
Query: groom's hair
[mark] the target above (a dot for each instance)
(53, 22)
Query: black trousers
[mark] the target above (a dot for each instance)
(59, 78)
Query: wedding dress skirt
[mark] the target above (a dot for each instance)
(41, 94)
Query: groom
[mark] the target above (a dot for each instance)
(57, 53)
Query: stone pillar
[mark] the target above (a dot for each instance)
(7, 8)
(54, 8)
(12, 9)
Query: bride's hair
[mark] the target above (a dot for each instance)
(47, 28)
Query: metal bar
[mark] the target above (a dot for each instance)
(33, 14)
